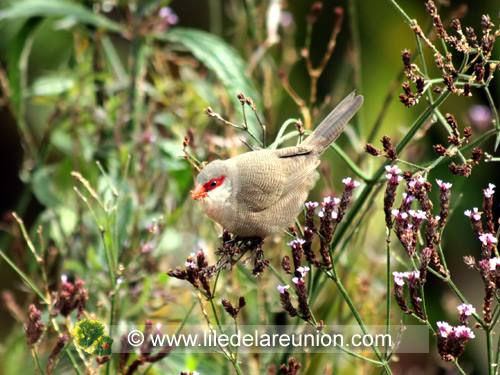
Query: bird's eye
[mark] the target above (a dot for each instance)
(213, 183)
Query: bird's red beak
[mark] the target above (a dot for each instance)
(198, 192)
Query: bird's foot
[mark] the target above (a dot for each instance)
(245, 240)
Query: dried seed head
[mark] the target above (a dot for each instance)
(33, 326)
(398, 291)
(293, 367)
(388, 148)
(286, 302)
(431, 8)
(372, 150)
(477, 154)
(478, 73)
(441, 150)
(229, 308)
(425, 258)
(460, 170)
(467, 89)
(471, 37)
(285, 264)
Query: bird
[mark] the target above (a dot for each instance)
(260, 193)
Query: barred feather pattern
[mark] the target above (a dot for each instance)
(264, 190)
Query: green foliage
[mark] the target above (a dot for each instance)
(90, 335)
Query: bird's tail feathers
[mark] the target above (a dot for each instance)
(333, 124)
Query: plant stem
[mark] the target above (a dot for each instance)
(23, 276)
(358, 318)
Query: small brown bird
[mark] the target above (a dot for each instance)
(260, 193)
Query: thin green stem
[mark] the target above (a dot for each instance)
(23, 276)
(356, 48)
(350, 163)
(358, 318)
(37, 361)
(388, 286)
(489, 345)
(402, 12)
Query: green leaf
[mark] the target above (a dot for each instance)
(57, 8)
(103, 346)
(17, 62)
(222, 59)
(43, 186)
(91, 336)
(51, 85)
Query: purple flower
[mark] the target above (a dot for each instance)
(444, 185)
(488, 193)
(393, 169)
(282, 288)
(419, 215)
(295, 280)
(474, 214)
(494, 262)
(168, 15)
(303, 270)
(393, 173)
(190, 264)
(148, 246)
(311, 205)
(444, 329)
(399, 277)
(286, 18)
(349, 183)
(487, 239)
(400, 215)
(465, 309)
(296, 242)
(463, 332)
(414, 274)
(417, 184)
(334, 214)
(480, 115)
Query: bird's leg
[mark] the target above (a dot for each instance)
(253, 239)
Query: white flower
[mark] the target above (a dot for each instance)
(463, 332)
(393, 170)
(488, 193)
(311, 205)
(444, 185)
(494, 262)
(303, 270)
(282, 288)
(475, 215)
(465, 309)
(399, 277)
(444, 329)
(487, 239)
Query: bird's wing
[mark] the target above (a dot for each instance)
(299, 165)
(269, 175)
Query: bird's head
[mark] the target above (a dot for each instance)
(213, 183)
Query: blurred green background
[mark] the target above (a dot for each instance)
(70, 99)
